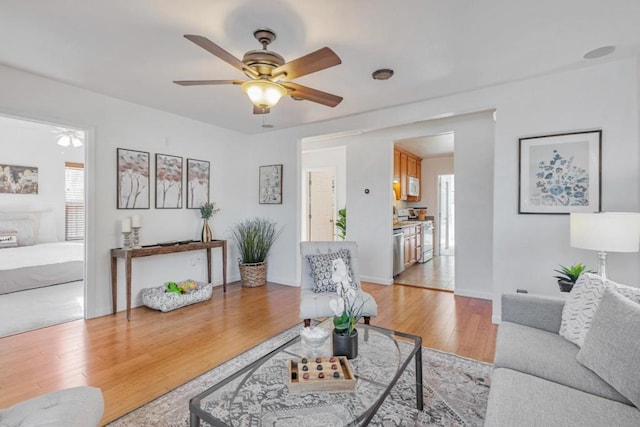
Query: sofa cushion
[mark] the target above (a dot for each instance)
(612, 347)
(549, 356)
(322, 270)
(523, 400)
(583, 302)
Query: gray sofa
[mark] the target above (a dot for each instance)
(537, 380)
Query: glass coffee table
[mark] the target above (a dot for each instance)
(259, 394)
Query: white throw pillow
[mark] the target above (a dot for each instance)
(583, 302)
(32, 215)
(47, 232)
(22, 227)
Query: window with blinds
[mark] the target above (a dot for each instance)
(74, 201)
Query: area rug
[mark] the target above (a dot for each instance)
(455, 392)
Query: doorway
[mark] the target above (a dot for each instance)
(48, 288)
(321, 205)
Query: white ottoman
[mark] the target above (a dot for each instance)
(71, 407)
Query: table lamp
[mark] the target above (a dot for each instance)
(605, 232)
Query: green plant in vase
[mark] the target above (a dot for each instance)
(341, 224)
(568, 276)
(206, 212)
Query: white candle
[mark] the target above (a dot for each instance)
(135, 221)
(126, 225)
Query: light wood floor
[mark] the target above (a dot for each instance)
(137, 361)
(438, 273)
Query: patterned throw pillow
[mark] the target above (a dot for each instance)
(8, 239)
(583, 302)
(322, 269)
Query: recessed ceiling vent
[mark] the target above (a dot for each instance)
(382, 74)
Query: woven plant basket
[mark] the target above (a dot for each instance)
(253, 275)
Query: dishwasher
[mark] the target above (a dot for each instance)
(398, 252)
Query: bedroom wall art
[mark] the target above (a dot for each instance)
(560, 174)
(18, 179)
(168, 181)
(198, 172)
(133, 179)
(270, 184)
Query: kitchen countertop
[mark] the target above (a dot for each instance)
(410, 223)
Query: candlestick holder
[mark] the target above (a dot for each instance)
(127, 239)
(136, 237)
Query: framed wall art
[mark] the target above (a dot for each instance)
(168, 182)
(560, 174)
(133, 179)
(270, 184)
(18, 179)
(198, 172)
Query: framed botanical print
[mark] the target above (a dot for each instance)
(560, 174)
(133, 179)
(198, 173)
(270, 184)
(168, 181)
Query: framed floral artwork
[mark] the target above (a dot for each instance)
(133, 179)
(168, 182)
(560, 174)
(18, 179)
(270, 184)
(197, 183)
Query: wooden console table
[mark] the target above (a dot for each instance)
(129, 254)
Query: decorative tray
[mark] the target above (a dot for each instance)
(311, 374)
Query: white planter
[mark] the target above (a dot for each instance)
(158, 299)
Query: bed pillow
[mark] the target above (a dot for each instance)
(322, 269)
(612, 347)
(23, 228)
(32, 215)
(47, 232)
(8, 239)
(583, 302)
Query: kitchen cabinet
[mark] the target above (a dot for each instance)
(405, 164)
(411, 244)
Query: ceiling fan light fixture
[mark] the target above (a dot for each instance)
(263, 93)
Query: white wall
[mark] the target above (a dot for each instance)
(32, 144)
(113, 123)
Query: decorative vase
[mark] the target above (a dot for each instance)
(253, 274)
(345, 345)
(565, 286)
(206, 231)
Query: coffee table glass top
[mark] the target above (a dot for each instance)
(259, 394)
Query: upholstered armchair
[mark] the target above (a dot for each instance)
(314, 305)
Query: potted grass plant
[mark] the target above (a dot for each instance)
(254, 238)
(568, 276)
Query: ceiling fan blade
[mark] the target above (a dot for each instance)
(260, 110)
(310, 94)
(207, 82)
(213, 48)
(315, 61)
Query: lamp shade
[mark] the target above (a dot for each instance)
(263, 93)
(606, 231)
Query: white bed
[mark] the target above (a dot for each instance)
(43, 264)
(32, 256)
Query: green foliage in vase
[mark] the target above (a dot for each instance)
(341, 224)
(571, 273)
(254, 238)
(208, 209)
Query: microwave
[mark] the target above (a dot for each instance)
(414, 186)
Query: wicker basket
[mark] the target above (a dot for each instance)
(253, 275)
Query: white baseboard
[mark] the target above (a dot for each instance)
(376, 280)
(473, 294)
(496, 319)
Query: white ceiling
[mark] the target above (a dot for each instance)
(134, 49)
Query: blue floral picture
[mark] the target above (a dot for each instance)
(560, 173)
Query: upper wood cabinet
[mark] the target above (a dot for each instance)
(406, 164)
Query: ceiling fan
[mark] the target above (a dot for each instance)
(269, 75)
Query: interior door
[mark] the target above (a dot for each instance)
(321, 210)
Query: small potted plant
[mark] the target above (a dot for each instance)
(254, 238)
(569, 275)
(206, 212)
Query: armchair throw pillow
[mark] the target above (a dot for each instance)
(322, 268)
(8, 239)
